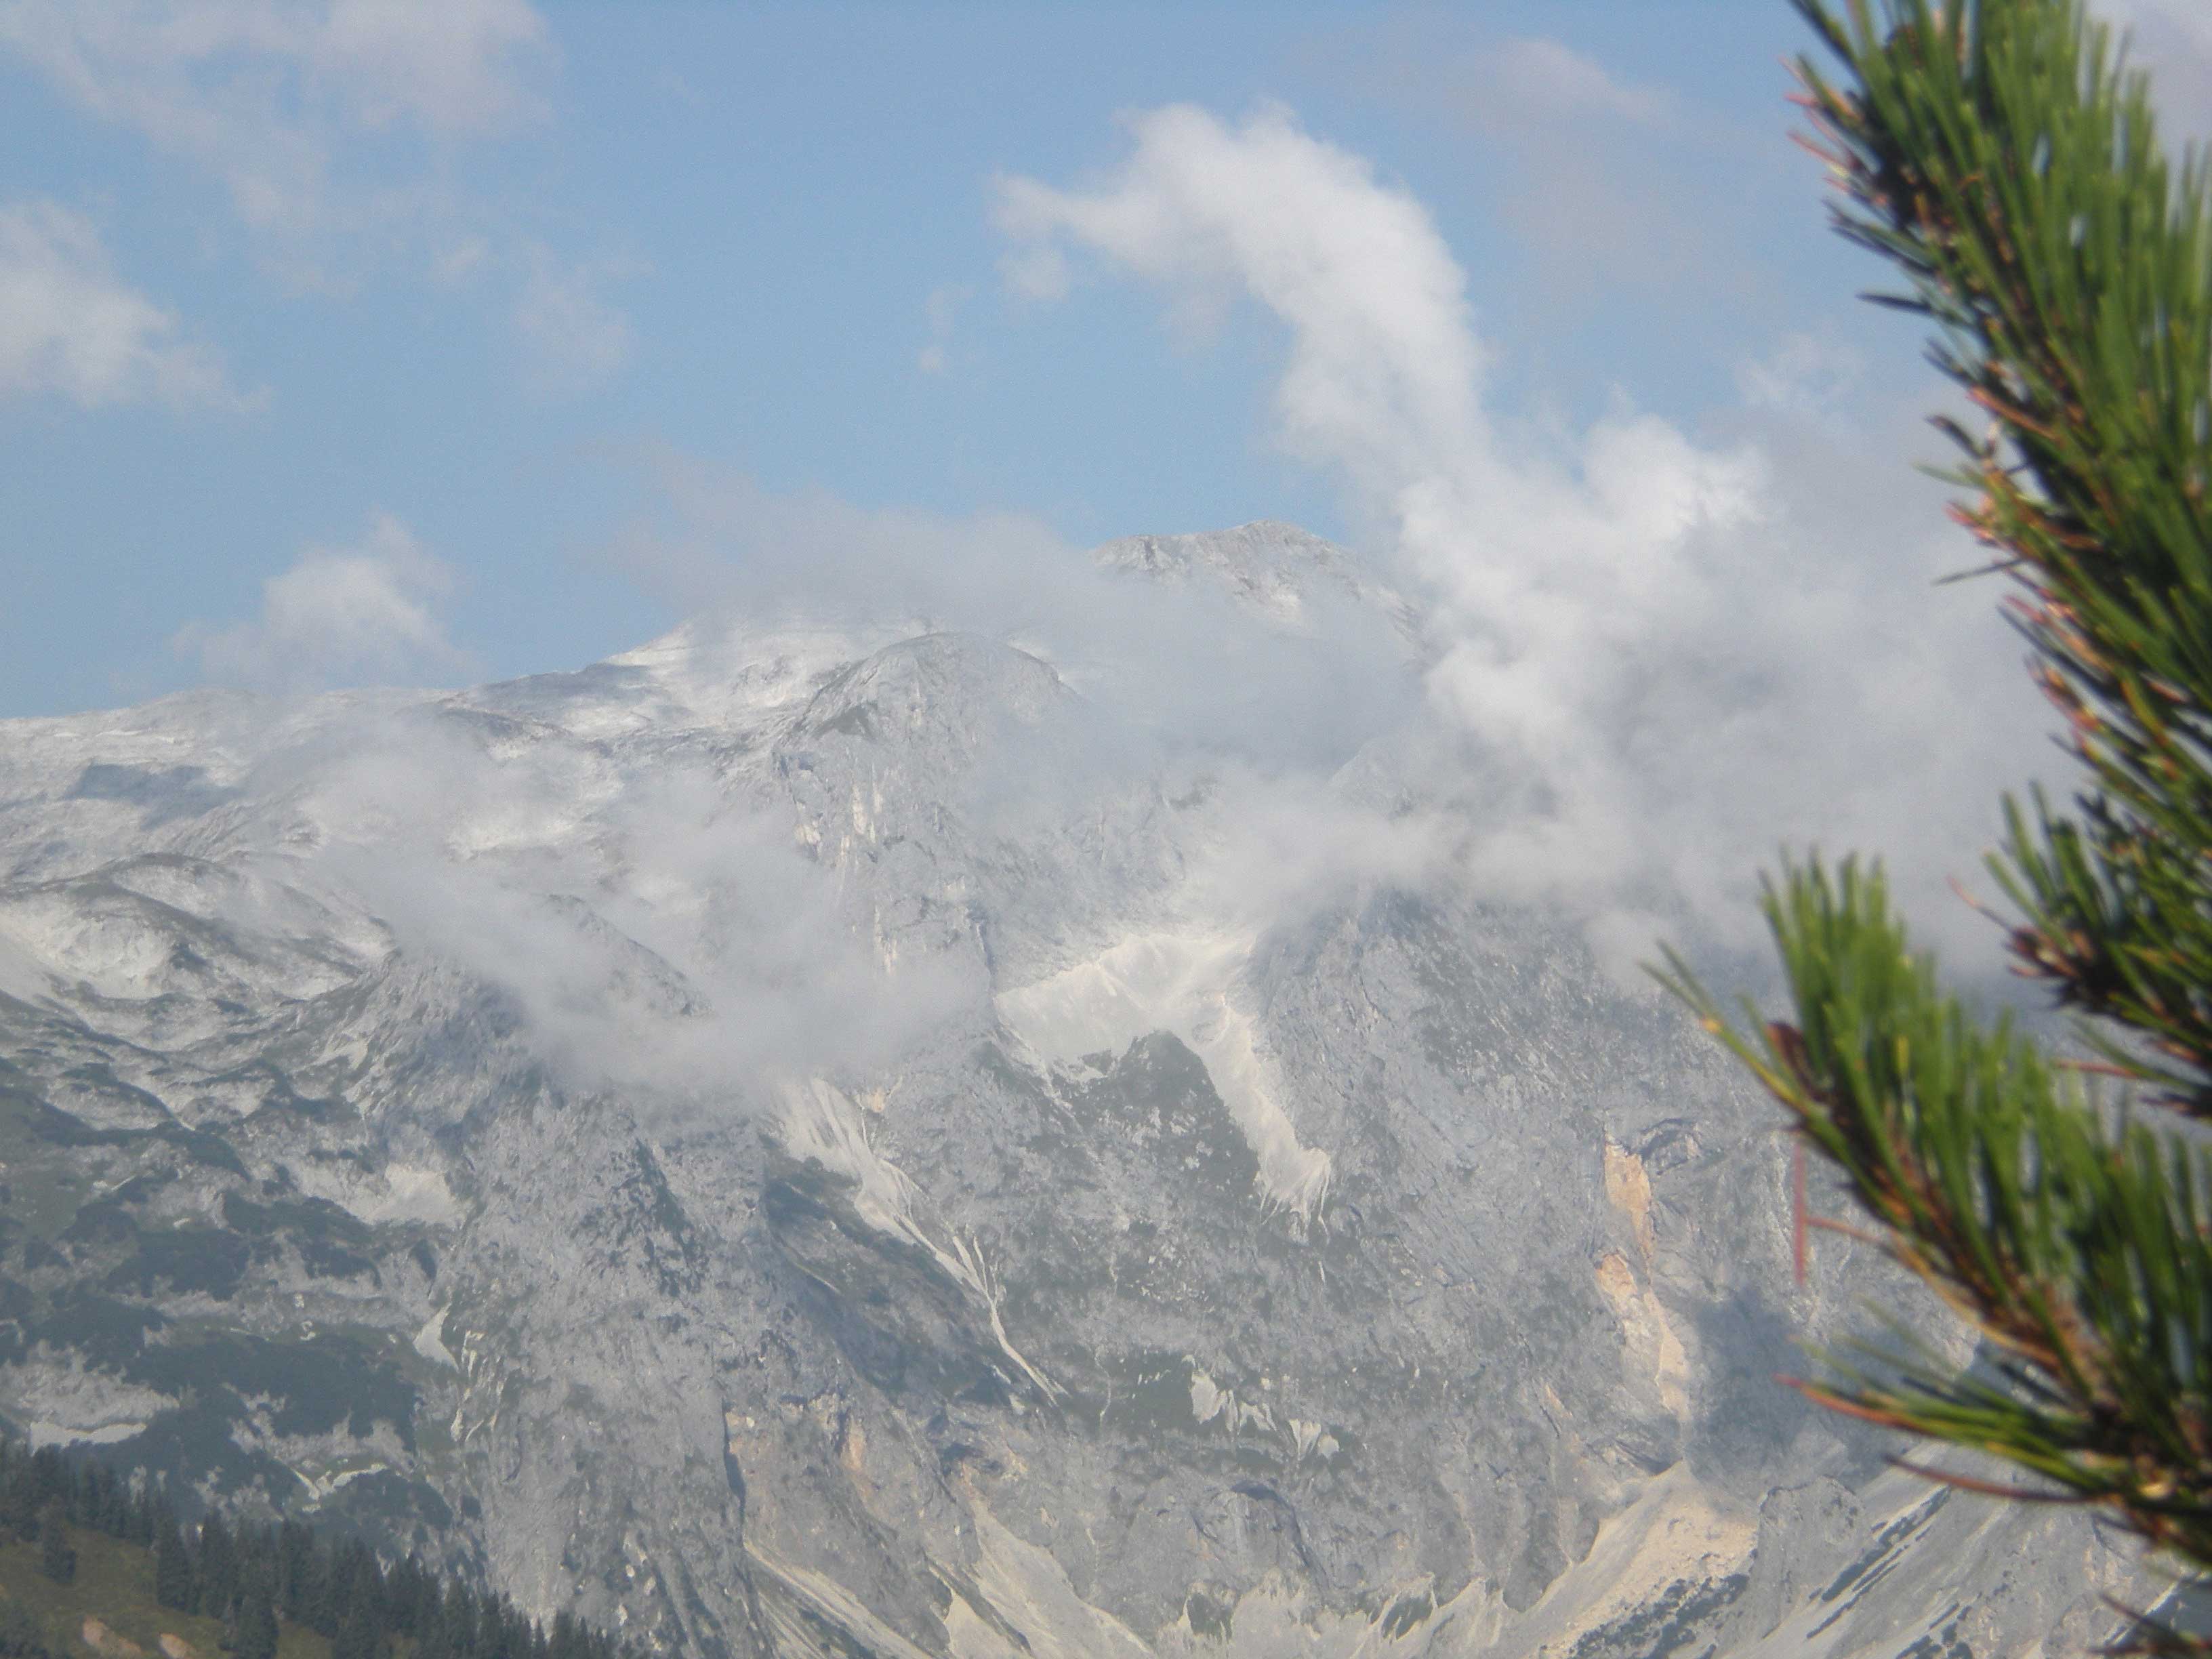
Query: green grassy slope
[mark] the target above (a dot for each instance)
(114, 1584)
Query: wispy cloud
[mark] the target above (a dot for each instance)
(343, 616)
(460, 66)
(939, 309)
(1173, 666)
(69, 327)
(1806, 374)
(332, 128)
(654, 933)
(263, 95)
(1606, 183)
(1532, 80)
(572, 337)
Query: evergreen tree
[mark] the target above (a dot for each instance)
(367, 1574)
(297, 1576)
(333, 1591)
(19, 1505)
(145, 1516)
(408, 1591)
(358, 1635)
(214, 1570)
(361, 1633)
(455, 1637)
(56, 1558)
(255, 1576)
(256, 1636)
(494, 1632)
(23, 1635)
(2001, 157)
(112, 1514)
(173, 1566)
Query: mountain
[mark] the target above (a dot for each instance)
(818, 1137)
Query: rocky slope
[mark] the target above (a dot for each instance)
(750, 1141)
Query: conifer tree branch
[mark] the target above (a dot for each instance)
(2000, 155)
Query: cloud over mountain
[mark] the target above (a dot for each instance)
(1654, 653)
(339, 616)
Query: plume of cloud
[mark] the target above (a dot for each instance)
(1653, 657)
(338, 617)
(69, 327)
(1384, 367)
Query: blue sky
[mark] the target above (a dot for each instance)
(352, 339)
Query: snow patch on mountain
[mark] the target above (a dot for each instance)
(59, 1400)
(1184, 984)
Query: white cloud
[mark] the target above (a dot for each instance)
(332, 127)
(1544, 81)
(1175, 665)
(1384, 367)
(69, 327)
(339, 616)
(1606, 182)
(456, 66)
(1037, 271)
(1806, 374)
(260, 91)
(574, 338)
(656, 925)
(939, 309)
(1653, 658)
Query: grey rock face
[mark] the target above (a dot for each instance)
(748, 1142)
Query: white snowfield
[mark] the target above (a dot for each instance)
(1184, 986)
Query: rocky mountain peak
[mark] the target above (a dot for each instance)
(769, 1142)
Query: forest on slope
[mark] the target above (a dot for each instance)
(95, 1560)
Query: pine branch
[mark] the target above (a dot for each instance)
(2075, 1241)
(2001, 157)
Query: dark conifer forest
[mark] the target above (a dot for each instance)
(250, 1575)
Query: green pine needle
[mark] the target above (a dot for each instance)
(2001, 157)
